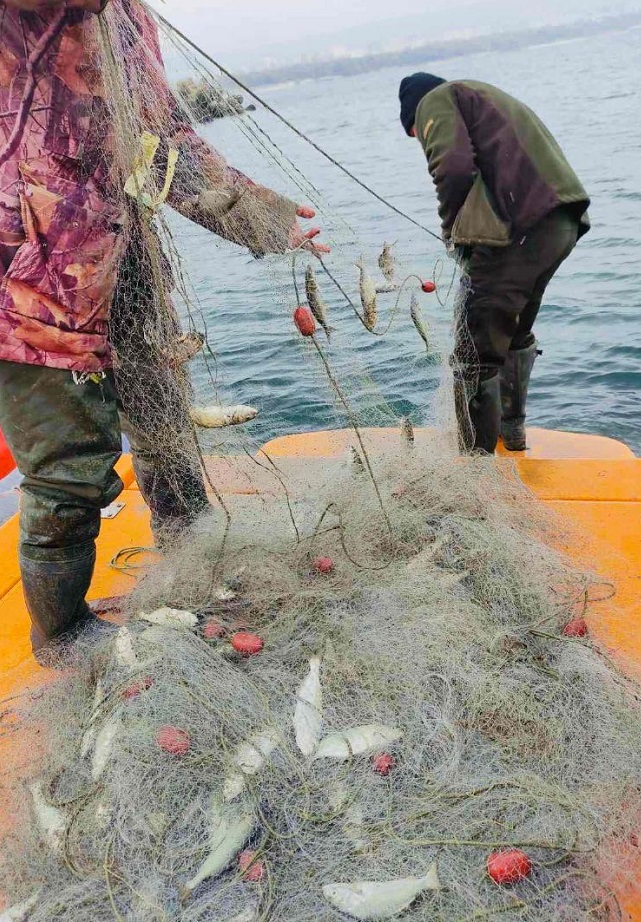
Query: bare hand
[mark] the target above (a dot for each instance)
(299, 239)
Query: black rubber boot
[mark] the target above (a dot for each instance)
(485, 414)
(55, 582)
(479, 417)
(515, 380)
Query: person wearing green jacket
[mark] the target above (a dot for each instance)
(512, 209)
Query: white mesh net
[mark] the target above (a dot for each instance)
(347, 685)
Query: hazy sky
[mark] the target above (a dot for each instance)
(247, 32)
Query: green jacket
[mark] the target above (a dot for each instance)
(497, 169)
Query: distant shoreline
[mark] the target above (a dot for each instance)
(438, 51)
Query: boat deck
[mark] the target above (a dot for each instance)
(594, 482)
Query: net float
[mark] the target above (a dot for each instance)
(576, 628)
(428, 287)
(304, 320)
(173, 740)
(252, 868)
(213, 630)
(133, 691)
(509, 867)
(324, 565)
(247, 644)
(383, 764)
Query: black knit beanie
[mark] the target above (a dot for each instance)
(411, 92)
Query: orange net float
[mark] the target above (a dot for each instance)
(7, 464)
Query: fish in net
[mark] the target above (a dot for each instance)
(350, 729)
(347, 691)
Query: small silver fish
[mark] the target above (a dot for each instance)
(368, 296)
(359, 741)
(90, 734)
(51, 821)
(229, 829)
(384, 288)
(407, 431)
(386, 261)
(125, 649)
(308, 717)
(105, 740)
(249, 759)
(184, 349)
(315, 300)
(170, 617)
(217, 417)
(419, 323)
(367, 900)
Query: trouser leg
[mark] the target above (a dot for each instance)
(153, 395)
(171, 485)
(516, 372)
(65, 438)
(506, 287)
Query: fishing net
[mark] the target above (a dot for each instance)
(437, 631)
(349, 680)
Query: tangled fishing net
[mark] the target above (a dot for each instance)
(343, 692)
(354, 700)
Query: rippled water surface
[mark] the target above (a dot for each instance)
(589, 378)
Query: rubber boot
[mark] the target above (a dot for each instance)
(478, 418)
(515, 380)
(55, 582)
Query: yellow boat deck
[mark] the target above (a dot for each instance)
(594, 482)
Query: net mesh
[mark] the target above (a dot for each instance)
(412, 701)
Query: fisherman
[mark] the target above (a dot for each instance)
(73, 270)
(512, 210)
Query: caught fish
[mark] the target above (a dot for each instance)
(216, 204)
(91, 732)
(217, 417)
(20, 912)
(51, 821)
(104, 745)
(360, 741)
(407, 431)
(368, 296)
(308, 717)
(184, 349)
(353, 819)
(125, 649)
(315, 300)
(228, 832)
(354, 825)
(419, 323)
(380, 900)
(169, 617)
(386, 261)
(384, 288)
(249, 759)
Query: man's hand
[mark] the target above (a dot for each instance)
(299, 239)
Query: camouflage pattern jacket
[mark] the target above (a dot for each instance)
(61, 213)
(497, 169)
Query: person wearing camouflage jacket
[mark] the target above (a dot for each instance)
(68, 273)
(512, 210)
